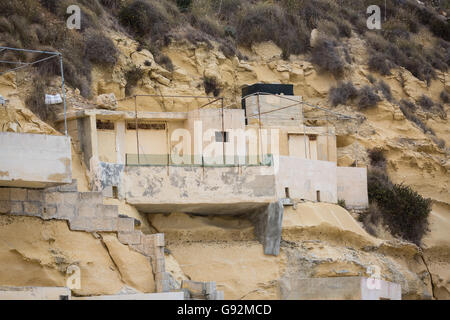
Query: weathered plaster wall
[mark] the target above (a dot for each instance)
(352, 186)
(85, 133)
(34, 160)
(305, 177)
(338, 288)
(203, 120)
(107, 145)
(196, 189)
(34, 293)
(290, 116)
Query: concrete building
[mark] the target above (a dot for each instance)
(215, 161)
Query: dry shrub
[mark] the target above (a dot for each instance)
(36, 101)
(147, 18)
(326, 57)
(132, 75)
(425, 102)
(367, 98)
(385, 89)
(445, 97)
(378, 62)
(371, 219)
(212, 85)
(342, 93)
(270, 22)
(164, 61)
(377, 157)
(100, 49)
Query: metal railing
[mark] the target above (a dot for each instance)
(160, 160)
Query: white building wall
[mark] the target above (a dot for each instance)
(304, 177)
(352, 187)
(34, 160)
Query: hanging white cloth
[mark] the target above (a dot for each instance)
(2, 100)
(53, 99)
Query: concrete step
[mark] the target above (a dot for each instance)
(70, 187)
(90, 198)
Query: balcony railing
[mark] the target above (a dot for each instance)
(198, 161)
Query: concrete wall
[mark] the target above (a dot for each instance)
(305, 177)
(352, 187)
(212, 190)
(34, 160)
(137, 296)
(291, 116)
(337, 288)
(35, 293)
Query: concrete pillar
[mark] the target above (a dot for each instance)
(267, 224)
(93, 133)
(120, 142)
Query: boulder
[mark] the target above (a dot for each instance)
(107, 101)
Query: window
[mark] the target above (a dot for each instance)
(146, 125)
(115, 192)
(312, 137)
(318, 195)
(105, 125)
(286, 192)
(221, 136)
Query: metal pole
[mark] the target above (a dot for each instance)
(260, 136)
(29, 64)
(223, 136)
(64, 92)
(304, 130)
(137, 133)
(328, 133)
(29, 50)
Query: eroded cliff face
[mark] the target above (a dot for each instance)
(413, 157)
(34, 252)
(319, 240)
(225, 250)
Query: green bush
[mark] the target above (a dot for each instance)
(341, 202)
(404, 211)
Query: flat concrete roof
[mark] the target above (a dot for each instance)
(123, 115)
(200, 208)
